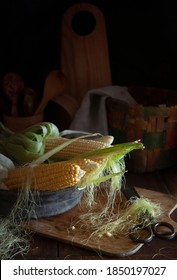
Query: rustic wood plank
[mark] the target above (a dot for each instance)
(151, 180)
(169, 177)
(41, 248)
(84, 59)
(59, 227)
(157, 249)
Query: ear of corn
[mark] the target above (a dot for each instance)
(75, 148)
(55, 176)
(58, 175)
(107, 139)
(94, 171)
(86, 164)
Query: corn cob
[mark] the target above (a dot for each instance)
(93, 169)
(75, 148)
(87, 165)
(54, 176)
(107, 139)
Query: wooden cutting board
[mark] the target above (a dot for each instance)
(84, 50)
(59, 228)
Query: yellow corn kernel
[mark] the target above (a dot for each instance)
(86, 164)
(53, 176)
(73, 149)
(93, 169)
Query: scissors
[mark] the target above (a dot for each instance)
(144, 234)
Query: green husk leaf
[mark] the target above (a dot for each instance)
(102, 179)
(20, 155)
(33, 145)
(113, 164)
(27, 145)
(44, 129)
(120, 150)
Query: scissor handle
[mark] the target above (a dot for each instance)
(169, 234)
(135, 236)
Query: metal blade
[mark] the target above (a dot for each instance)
(129, 192)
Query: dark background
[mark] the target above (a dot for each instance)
(142, 39)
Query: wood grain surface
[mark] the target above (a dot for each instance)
(84, 58)
(59, 228)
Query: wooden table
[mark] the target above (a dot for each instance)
(163, 181)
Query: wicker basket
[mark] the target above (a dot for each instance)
(153, 120)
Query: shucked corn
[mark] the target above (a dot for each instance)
(54, 176)
(61, 174)
(77, 147)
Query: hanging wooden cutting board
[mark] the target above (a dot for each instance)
(84, 50)
(60, 228)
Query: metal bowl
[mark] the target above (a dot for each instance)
(47, 203)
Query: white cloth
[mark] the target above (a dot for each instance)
(91, 116)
